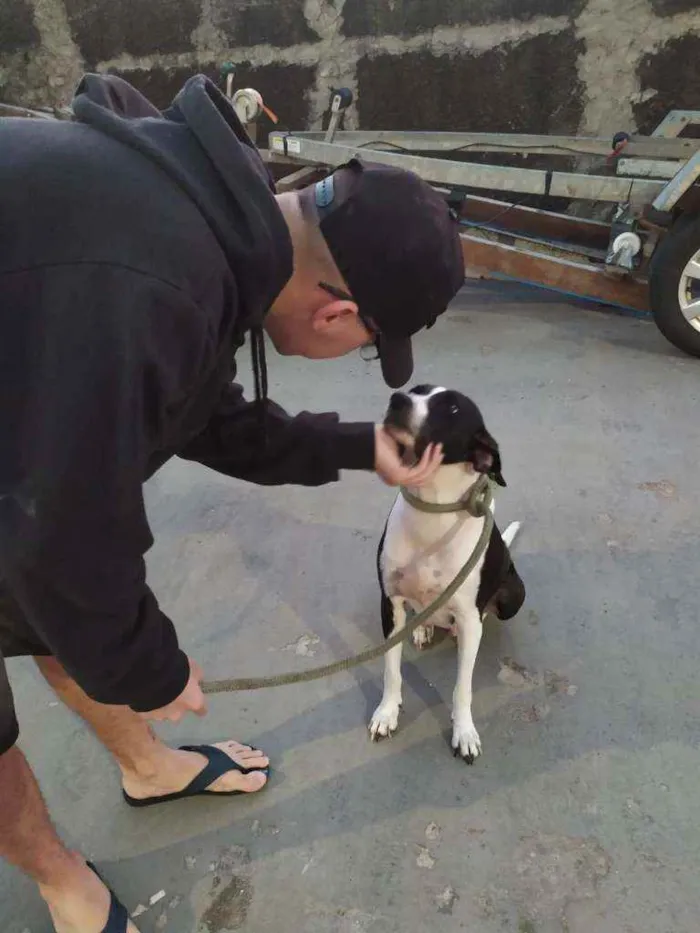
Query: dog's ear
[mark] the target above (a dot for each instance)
(485, 456)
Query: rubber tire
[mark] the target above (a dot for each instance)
(667, 264)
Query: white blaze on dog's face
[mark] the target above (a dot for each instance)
(407, 413)
(435, 415)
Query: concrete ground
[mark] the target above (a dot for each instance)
(583, 813)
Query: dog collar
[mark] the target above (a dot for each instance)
(476, 501)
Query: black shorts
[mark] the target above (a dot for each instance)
(17, 639)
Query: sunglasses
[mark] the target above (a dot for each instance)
(368, 323)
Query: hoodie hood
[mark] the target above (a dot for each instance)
(202, 145)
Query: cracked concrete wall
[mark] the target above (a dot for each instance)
(587, 66)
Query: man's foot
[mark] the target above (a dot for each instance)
(81, 903)
(176, 768)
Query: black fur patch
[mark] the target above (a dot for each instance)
(398, 414)
(500, 587)
(387, 608)
(454, 421)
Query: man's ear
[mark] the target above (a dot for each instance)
(485, 456)
(333, 313)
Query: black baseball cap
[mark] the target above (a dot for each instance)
(396, 244)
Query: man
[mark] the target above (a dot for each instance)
(136, 251)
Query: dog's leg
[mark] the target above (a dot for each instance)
(465, 738)
(386, 716)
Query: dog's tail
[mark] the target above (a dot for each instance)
(510, 533)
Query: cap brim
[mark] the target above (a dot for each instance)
(396, 356)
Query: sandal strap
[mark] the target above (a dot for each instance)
(118, 917)
(218, 764)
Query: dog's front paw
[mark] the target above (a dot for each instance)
(385, 720)
(466, 741)
(423, 636)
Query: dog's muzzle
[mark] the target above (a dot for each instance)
(397, 423)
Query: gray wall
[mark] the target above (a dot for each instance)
(587, 66)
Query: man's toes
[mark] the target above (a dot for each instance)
(234, 780)
(254, 781)
(237, 749)
(253, 758)
(245, 755)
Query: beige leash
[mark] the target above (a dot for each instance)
(478, 504)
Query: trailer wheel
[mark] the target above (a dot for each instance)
(674, 285)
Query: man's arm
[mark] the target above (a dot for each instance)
(306, 450)
(78, 408)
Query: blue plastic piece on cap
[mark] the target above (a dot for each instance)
(325, 191)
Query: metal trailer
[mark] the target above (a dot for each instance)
(645, 257)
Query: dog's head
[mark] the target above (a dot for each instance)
(434, 415)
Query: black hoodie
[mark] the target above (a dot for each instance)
(136, 250)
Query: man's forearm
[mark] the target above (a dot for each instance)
(306, 450)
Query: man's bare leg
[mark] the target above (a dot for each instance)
(149, 767)
(76, 898)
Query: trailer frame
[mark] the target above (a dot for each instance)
(646, 183)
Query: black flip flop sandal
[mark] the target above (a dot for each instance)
(118, 918)
(218, 764)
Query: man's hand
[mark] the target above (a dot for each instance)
(390, 468)
(191, 700)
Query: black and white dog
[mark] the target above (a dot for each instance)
(420, 552)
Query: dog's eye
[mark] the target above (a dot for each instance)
(454, 409)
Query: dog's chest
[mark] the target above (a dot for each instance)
(418, 581)
(423, 554)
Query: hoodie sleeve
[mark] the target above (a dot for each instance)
(88, 387)
(306, 450)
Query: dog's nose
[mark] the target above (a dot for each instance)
(399, 401)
